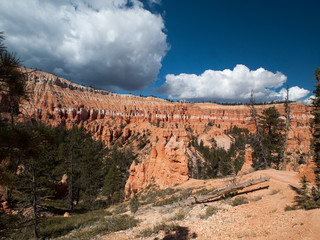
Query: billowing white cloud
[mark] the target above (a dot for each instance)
(295, 93)
(230, 85)
(109, 44)
(309, 100)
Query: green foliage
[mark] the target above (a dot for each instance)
(113, 184)
(221, 162)
(81, 159)
(274, 191)
(134, 204)
(180, 215)
(305, 198)
(121, 209)
(239, 201)
(316, 128)
(272, 137)
(12, 79)
(56, 227)
(157, 228)
(211, 210)
(311, 199)
(167, 201)
(289, 208)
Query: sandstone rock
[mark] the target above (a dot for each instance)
(66, 214)
(59, 101)
(247, 166)
(166, 166)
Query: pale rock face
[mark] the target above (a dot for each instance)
(57, 101)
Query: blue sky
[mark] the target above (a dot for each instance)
(193, 50)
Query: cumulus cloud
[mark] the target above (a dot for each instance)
(109, 44)
(230, 85)
(309, 100)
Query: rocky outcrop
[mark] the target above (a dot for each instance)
(247, 166)
(112, 117)
(166, 166)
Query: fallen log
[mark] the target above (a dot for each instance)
(218, 194)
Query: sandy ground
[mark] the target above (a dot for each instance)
(263, 217)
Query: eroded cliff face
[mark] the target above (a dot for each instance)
(166, 165)
(113, 117)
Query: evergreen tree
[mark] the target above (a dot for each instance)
(91, 171)
(12, 79)
(113, 185)
(134, 204)
(316, 128)
(272, 127)
(82, 157)
(305, 198)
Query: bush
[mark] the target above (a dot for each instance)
(167, 201)
(157, 228)
(289, 208)
(121, 209)
(180, 215)
(134, 204)
(274, 191)
(59, 226)
(211, 210)
(111, 224)
(239, 201)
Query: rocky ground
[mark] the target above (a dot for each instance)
(264, 217)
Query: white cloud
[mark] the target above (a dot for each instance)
(295, 93)
(308, 100)
(229, 85)
(114, 43)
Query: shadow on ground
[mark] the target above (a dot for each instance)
(179, 233)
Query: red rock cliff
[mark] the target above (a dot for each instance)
(111, 117)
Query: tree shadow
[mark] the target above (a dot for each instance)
(179, 233)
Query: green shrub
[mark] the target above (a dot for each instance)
(211, 210)
(121, 209)
(203, 191)
(111, 224)
(239, 201)
(157, 228)
(289, 208)
(180, 215)
(255, 199)
(59, 226)
(167, 201)
(274, 191)
(134, 204)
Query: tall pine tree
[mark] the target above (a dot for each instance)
(316, 128)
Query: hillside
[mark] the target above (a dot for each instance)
(263, 217)
(157, 130)
(173, 157)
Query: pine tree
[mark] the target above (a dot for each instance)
(113, 184)
(268, 144)
(303, 198)
(12, 79)
(316, 128)
(134, 204)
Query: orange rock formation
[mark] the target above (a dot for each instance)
(111, 117)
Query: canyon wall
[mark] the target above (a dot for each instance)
(112, 117)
